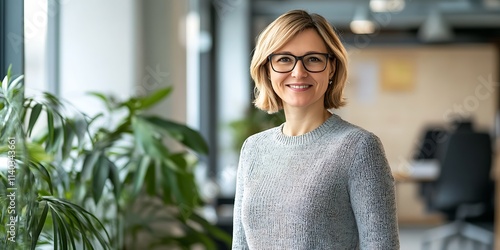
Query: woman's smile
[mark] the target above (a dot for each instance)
(298, 87)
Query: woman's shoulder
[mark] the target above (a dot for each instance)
(353, 134)
(262, 137)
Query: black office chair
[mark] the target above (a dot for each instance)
(430, 141)
(464, 189)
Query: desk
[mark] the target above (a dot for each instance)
(418, 171)
(411, 208)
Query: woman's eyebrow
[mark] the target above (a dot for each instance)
(290, 53)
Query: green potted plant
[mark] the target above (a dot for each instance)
(156, 175)
(84, 182)
(30, 187)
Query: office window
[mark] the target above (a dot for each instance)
(11, 33)
(35, 42)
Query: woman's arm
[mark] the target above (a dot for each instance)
(239, 238)
(371, 187)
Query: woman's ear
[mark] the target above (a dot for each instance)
(333, 67)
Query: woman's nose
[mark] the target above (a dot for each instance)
(299, 71)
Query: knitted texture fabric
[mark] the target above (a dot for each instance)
(330, 188)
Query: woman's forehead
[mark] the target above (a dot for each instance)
(304, 42)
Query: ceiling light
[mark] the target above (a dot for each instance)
(435, 28)
(387, 5)
(361, 23)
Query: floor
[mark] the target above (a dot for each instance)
(410, 239)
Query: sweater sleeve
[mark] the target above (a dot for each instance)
(239, 238)
(372, 195)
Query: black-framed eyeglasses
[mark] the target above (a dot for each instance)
(312, 62)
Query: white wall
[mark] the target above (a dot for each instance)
(98, 50)
(233, 75)
(124, 48)
(162, 55)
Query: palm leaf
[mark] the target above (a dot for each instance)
(139, 175)
(64, 214)
(182, 133)
(100, 175)
(35, 112)
(154, 98)
(38, 228)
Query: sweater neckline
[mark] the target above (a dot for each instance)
(308, 137)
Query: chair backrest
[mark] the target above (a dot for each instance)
(465, 162)
(429, 144)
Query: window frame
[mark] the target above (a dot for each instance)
(11, 26)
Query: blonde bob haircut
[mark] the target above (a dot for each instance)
(276, 35)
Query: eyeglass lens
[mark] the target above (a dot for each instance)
(312, 62)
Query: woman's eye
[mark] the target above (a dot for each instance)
(284, 59)
(314, 59)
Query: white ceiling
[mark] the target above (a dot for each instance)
(466, 20)
(458, 13)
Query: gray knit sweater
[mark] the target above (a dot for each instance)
(330, 188)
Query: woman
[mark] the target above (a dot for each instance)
(316, 181)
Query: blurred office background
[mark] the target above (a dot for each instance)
(414, 65)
